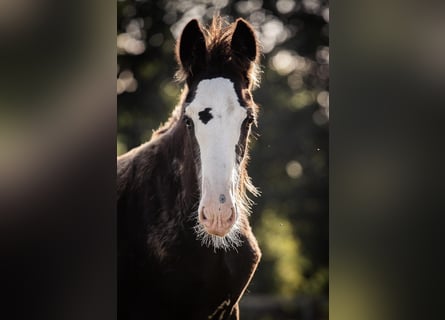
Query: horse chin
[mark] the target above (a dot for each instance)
(230, 241)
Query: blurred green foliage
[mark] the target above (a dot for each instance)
(289, 159)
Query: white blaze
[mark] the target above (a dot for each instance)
(217, 140)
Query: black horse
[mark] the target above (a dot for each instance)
(186, 249)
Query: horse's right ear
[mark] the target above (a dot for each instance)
(191, 48)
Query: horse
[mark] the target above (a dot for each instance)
(185, 246)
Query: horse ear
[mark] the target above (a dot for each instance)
(192, 48)
(244, 42)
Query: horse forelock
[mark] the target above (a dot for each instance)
(220, 57)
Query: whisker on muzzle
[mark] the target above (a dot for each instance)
(231, 241)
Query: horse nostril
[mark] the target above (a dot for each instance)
(203, 216)
(232, 215)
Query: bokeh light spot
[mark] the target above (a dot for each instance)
(285, 6)
(294, 169)
(126, 82)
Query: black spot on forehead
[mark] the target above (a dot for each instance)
(205, 115)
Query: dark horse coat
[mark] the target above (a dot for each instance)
(164, 271)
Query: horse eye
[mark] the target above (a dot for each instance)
(188, 122)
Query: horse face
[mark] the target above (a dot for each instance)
(218, 121)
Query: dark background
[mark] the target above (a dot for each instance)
(290, 155)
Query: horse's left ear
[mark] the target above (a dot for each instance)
(244, 42)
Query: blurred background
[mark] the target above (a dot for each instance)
(289, 159)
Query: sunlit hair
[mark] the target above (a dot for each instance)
(230, 241)
(218, 37)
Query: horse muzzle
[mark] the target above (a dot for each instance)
(218, 219)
